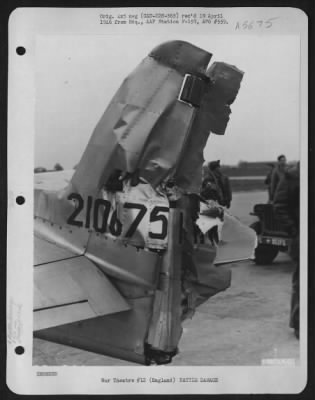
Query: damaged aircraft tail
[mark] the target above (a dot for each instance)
(120, 259)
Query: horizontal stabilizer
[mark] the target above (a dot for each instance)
(71, 290)
(47, 252)
(237, 243)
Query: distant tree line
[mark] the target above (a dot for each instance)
(57, 167)
(247, 168)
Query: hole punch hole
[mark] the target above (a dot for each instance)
(20, 200)
(20, 50)
(19, 350)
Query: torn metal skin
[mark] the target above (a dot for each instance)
(128, 214)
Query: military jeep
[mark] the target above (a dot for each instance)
(270, 235)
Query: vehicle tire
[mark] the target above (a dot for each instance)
(257, 227)
(265, 254)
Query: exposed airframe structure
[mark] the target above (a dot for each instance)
(120, 259)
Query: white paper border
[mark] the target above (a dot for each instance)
(24, 25)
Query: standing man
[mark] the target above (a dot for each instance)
(287, 211)
(268, 179)
(216, 185)
(227, 190)
(277, 174)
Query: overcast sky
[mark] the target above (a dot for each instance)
(76, 77)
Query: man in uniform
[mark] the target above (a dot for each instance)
(287, 210)
(276, 175)
(267, 180)
(216, 185)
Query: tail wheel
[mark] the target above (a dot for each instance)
(158, 357)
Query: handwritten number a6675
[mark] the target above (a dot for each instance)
(100, 217)
(245, 25)
(248, 25)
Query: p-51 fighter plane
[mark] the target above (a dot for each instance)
(125, 248)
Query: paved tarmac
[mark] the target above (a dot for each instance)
(241, 326)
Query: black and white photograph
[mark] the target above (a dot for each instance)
(161, 190)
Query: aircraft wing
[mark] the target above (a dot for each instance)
(70, 288)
